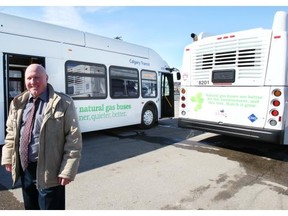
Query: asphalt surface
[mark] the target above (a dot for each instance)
(170, 168)
(7, 200)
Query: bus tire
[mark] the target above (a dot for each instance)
(148, 117)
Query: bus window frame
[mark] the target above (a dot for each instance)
(122, 83)
(87, 75)
(143, 94)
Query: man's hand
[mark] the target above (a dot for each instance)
(8, 167)
(64, 181)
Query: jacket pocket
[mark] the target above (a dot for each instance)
(55, 123)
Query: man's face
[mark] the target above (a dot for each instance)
(35, 81)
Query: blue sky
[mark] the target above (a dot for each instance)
(165, 29)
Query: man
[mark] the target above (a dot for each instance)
(46, 152)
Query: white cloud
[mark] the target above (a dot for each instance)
(64, 16)
(94, 9)
(80, 18)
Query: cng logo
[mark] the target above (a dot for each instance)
(252, 118)
(198, 100)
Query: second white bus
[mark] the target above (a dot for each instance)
(113, 83)
(237, 83)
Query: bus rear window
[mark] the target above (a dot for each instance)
(223, 76)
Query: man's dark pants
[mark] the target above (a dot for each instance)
(40, 199)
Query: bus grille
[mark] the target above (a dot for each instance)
(247, 55)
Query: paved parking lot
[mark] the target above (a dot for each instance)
(168, 168)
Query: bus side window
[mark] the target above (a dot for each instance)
(131, 88)
(117, 88)
(149, 84)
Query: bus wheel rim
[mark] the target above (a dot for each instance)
(148, 117)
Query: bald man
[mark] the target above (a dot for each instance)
(54, 144)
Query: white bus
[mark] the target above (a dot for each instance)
(236, 83)
(113, 83)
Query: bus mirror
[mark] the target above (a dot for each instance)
(178, 75)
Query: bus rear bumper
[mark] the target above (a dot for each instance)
(273, 136)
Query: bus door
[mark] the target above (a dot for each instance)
(167, 95)
(14, 69)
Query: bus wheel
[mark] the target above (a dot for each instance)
(148, 117)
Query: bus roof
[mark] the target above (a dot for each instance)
(35, 29)
(280, 23)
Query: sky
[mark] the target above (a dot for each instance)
(165, 29)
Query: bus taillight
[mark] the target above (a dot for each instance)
(183, 113)
(183, 98)
(183, 105)
(277, 93)
(276, 103)
(274, 112)
(183, 91)
(273, 122)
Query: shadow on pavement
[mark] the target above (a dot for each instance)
(110, 146)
